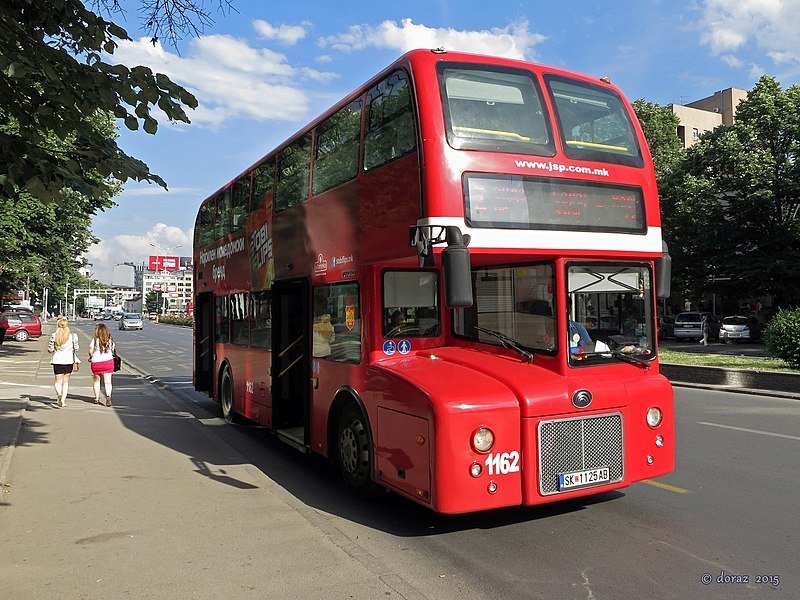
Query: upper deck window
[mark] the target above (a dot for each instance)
(594, 123)
(495, 109)
(294, 165)
(337, 146)
(390, 130)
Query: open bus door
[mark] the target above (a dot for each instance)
(291, 366)
(204, 343)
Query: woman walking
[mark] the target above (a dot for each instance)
(101, 357)
(63, 345)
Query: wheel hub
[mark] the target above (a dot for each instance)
(348, 449)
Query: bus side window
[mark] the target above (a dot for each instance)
(263, 180)
(204, 233)
(223, 214)
(336, 148)
(221, 326)
(410, 304)
(294, 165)
(240, 326)
(390, 121)
(240, 200)
(336, 329)
(261, 319)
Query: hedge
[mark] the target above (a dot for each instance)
(782, 336)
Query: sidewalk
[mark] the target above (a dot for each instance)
(141, 500)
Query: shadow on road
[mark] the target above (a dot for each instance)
(306, 478)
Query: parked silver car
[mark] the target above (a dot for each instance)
(130, 321)
(687, 326)
(739, 328)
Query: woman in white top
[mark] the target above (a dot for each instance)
(64, 347)
(101, 357)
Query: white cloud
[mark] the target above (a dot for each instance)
(756, 71)
(230, 78)
(769, 25)
(513, 41)
(732, 61)
(137, 248)
(286, 34)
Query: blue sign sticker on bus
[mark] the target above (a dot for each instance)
(389, 347)
(404, 347)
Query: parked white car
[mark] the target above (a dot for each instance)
(739, 328)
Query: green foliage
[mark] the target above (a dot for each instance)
(782, 336)
(731, 206)
(659, 124)
(153, 302)
(54, 80)
(182, 321)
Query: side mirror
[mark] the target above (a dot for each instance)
(457, 269)
(663, 268)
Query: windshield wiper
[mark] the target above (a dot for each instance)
(623, 356)
(508, 342)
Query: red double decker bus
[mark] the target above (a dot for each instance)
(447, 285)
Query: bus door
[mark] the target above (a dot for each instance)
(204, 342)
(291, 376)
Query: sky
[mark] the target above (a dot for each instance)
(265, 70)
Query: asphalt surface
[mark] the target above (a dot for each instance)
(216, 509)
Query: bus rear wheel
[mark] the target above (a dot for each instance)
(226, 396)
(354, 450)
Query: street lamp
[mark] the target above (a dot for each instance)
(163, 268)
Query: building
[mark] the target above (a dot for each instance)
(176, 288)
(700, 116)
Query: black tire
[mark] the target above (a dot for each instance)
(22, 335)
(354, 455)
(226, 397)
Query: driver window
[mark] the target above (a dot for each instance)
(410, 304)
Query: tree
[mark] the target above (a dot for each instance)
(59, 159)
(54, 79)
(153, 302)
(732, 205)
(659, 124)
(42, 240)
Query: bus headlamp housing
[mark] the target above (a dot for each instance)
(654, 416)
(482, 439)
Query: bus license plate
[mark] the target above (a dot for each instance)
(569, 481)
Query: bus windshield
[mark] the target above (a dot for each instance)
(610, 313)
(515, 302)
(494, 109)
(594, 123)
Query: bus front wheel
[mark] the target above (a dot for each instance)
(226, 396)
(355, 450)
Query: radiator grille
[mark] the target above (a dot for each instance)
(579, 444)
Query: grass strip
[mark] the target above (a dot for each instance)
(753, 363)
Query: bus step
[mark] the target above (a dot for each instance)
(294, 437)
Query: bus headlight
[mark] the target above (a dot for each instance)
(482, 440)
(654, 416)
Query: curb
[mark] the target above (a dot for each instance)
(14, 426)
(767, 383)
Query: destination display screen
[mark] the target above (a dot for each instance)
(519, 202)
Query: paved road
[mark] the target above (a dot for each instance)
(728, 510)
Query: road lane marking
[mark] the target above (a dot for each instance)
(759, 431)
(666, 486)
